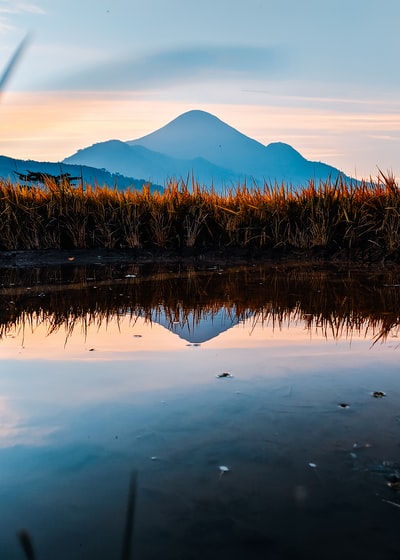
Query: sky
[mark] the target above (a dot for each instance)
(320, 75)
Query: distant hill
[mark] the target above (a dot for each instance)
(117, 156)
(90, 175)
(199, 143)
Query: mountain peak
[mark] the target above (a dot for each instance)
(199, 143)
(201, 133)
(195, 116)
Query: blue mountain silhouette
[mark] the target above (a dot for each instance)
(200, 144)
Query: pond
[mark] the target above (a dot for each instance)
(238, 413)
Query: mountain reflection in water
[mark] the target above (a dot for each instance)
(106, 371)
(199, 305)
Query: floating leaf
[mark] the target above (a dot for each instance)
(378, 394)
(223, 470)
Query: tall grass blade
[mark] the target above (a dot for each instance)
(27, 545)
(11, 65)
(129, 519)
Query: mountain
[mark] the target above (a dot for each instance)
(9, 167)
(121, 157)
(201, 144)
(195, 329)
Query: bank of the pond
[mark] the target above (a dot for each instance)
(372, 258)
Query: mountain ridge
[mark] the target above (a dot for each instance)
(9, 167)
(200, 144)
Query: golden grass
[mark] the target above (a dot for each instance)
(330, 215)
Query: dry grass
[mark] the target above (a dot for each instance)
(330, 215)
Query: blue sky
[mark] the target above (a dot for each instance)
(318, 74)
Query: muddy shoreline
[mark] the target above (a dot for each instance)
(317, 257)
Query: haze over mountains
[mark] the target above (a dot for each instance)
(199, 144)
(195, 144)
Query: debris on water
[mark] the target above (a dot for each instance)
(130, 275)
(194, 344)
(362, 446)
(388, 468)
(224, 374)
(312, 465)
(154, 458)
(393, 483)
(353, 455)
(378, 394)
(71, 258)
(91, 349)
(137, 336)
(344, 405)
(223, 470)
(391, 503)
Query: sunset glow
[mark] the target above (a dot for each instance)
(93, 78)
(51, 126)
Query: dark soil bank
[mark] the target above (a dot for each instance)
(374, 257)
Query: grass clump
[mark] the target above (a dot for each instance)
(331, 216)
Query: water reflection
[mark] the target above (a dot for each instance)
(198, 305)
(119, 371)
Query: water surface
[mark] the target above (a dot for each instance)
(114, 375)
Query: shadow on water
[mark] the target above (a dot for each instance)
(332, 303)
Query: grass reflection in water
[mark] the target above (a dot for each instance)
(330, 302)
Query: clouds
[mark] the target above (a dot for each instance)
(293, 57)
(15, 7)
(170, 66)
(11, 9)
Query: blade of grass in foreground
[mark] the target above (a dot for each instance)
(11, 65)
(129, 519)
(26, 543)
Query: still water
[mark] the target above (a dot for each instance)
(109, 373)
